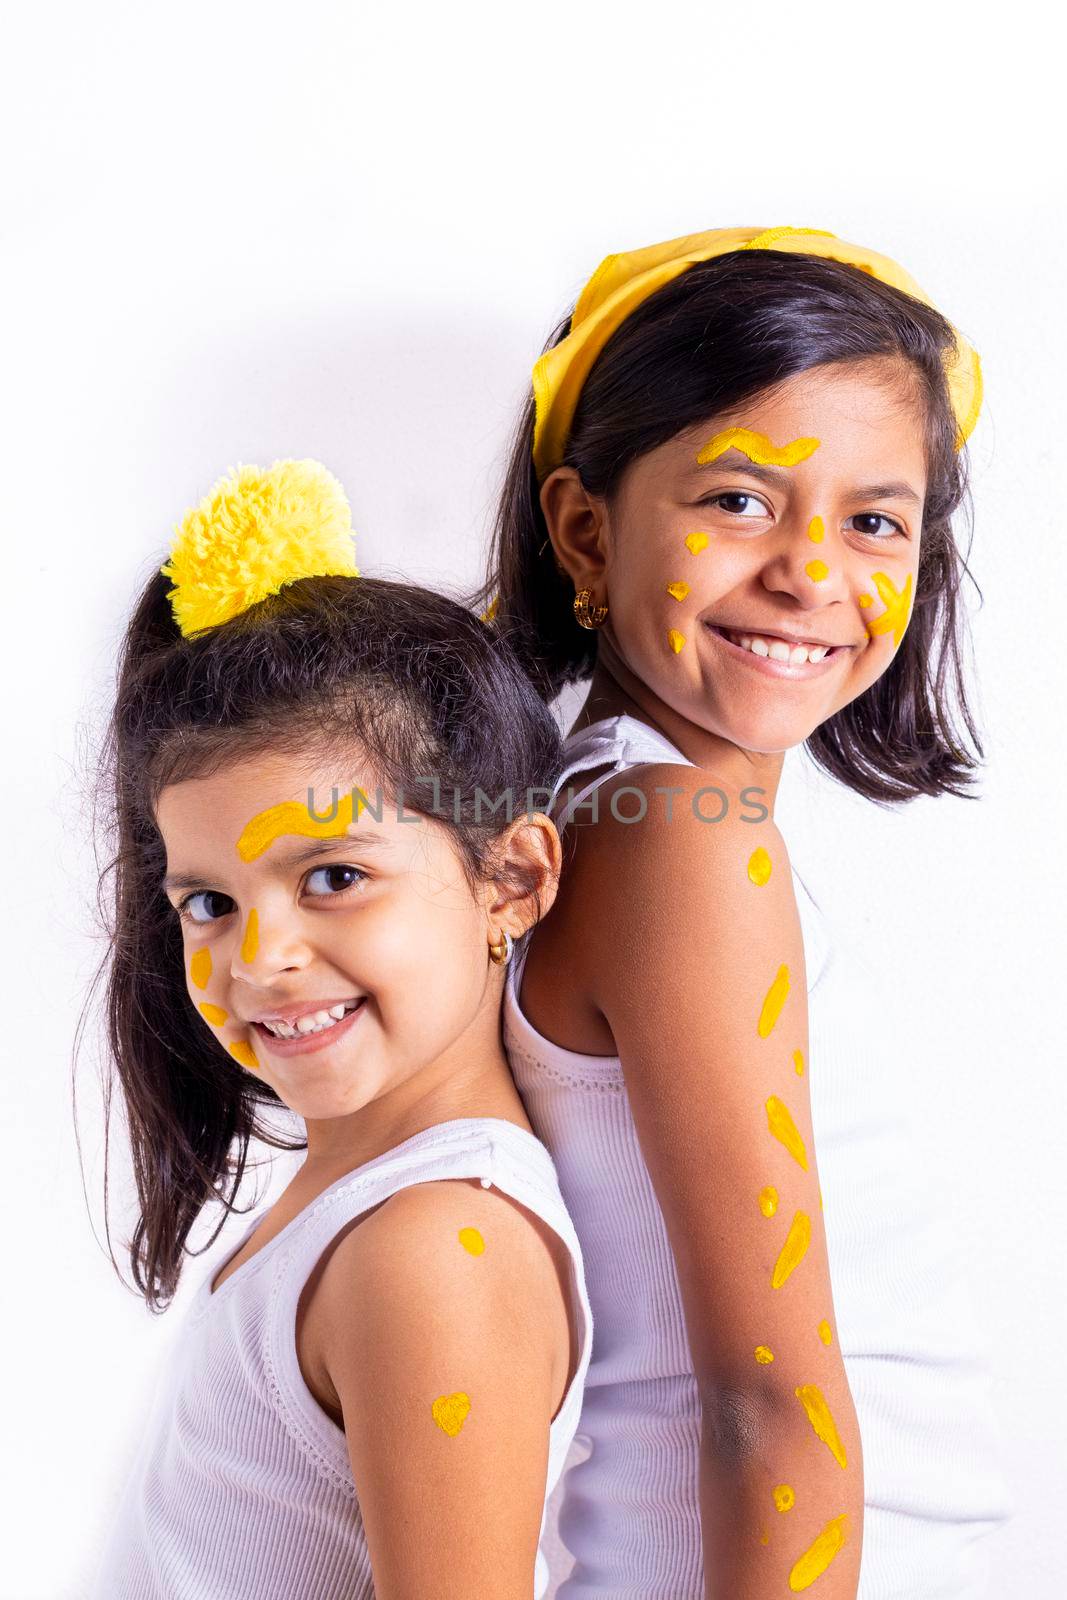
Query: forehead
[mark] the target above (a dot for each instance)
(220, 806)
(863, 412)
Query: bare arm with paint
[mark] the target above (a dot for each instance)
(706, 1000)
(445, 1339)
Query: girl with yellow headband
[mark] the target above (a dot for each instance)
(729, 507)
(324, 791)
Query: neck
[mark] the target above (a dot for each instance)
(614, 691)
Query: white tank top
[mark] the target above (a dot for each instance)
(242, 1487)
(629, 1514)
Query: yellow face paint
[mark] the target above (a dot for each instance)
(816, 530)
(773, 1001)
(764, 1537)
(763, 1355)
(818, 1556)
(826, 1333)
(695, 542)
(894, 618)
(200, 967)
(759, 866)
(242, 1051)
(679, 590)
(214, 1014)
(784, 1129)
(293, 817)
(250, 942)
(471, 1240)
(794, 1250)
(866, 600)
(816, 570)
(757, 447)
(798, 1062)
(784, 1498)
(450, 1412)
(768, 1201)
(675, 639)
(811, 1398)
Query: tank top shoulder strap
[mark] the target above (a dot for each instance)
(618, 742)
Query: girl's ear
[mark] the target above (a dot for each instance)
(575, 520)
(525, 876)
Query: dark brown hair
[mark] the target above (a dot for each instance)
(720, 333)
(330, 665)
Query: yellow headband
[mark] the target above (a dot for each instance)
(255, 532)
(621, 282)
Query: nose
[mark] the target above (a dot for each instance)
(269, 942)
(807, 563)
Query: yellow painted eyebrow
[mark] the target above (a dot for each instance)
(757, 447)
(292, 817)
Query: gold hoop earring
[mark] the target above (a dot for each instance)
(501, 951)
(587, 615)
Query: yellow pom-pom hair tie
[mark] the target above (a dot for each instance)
(255, 532)
(621, 282)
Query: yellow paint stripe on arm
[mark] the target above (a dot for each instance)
(794, 1250)
(773, 1001)
(818, 1556)
(821, 1419)
(781, 1124)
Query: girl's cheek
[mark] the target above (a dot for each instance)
(199, 978)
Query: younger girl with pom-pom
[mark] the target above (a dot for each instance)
(317, 890)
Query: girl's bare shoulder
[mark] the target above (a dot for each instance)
(661, 821)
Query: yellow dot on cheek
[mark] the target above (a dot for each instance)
(866, 600)
(768, 1200)
(826, 1333)
(763, 1355)
(450, 1412)
(200, 967)
(816, 530)
(214, 1014)
(816, 571)
(798, 1062)
(675, 639)
(679, 590)
(696, 542)
(471, 1240)
(242, 1051)
(784, 1498)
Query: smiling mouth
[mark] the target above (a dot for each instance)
(772, 647)
(314, 1023)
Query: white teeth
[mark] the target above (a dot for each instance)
(313, 1022)
(778, 649)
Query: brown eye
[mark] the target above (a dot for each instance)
(868, 517)
(335, 875)
(213, 905)
(737, 503)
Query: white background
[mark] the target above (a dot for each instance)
(238, 232)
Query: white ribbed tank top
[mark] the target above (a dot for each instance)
(629, 1514)
(242, 1487)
